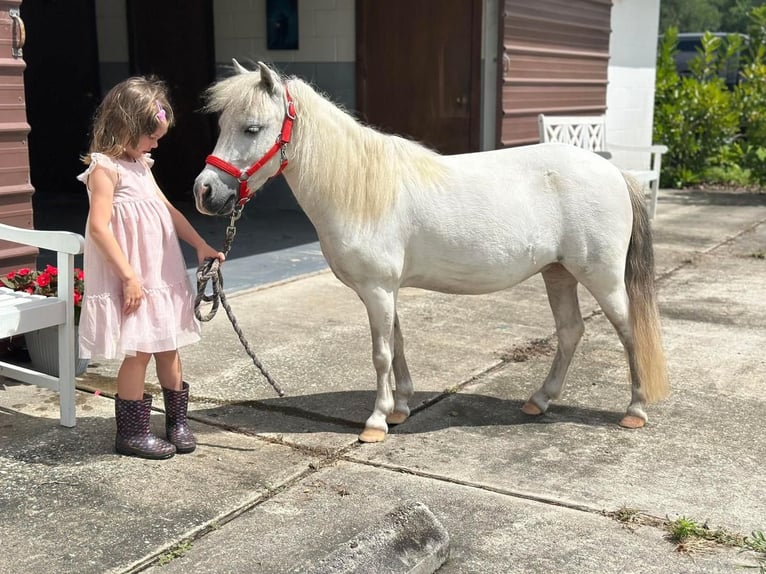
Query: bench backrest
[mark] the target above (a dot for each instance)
(588, 132)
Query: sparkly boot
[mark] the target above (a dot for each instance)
(134, 434)
(176, 426)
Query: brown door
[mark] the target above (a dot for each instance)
(173, 39)
(418, 65)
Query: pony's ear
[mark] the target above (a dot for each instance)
(239, 67)
(267, 78)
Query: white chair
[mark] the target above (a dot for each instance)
(589, 132)
(22, 313)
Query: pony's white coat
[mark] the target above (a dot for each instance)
(390, 213)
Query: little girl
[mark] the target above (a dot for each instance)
(138, 301)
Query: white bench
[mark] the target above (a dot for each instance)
(589, 132)
(22, 313)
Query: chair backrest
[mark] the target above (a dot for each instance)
(588, 132)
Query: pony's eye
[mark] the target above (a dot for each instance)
(252, 129)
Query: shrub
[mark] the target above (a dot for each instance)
(714, 134)
(694, 115)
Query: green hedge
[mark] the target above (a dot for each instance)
(714, 134)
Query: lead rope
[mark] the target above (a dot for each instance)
(210, 270)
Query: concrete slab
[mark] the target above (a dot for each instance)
(69, 504)
(408, 540)
(490, 532)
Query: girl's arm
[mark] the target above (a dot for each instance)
(101, 183)
(186, 231)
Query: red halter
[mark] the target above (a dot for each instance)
(242, 175)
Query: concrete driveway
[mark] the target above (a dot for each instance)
(278, 483)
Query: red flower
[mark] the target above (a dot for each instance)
(44, 283)
(43, 279)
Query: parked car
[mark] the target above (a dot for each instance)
(690, 45)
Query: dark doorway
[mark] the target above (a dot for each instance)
(61, 84)
(174, 39)
(418, 70)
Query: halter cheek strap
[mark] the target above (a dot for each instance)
(242, 175)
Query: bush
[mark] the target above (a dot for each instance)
(750, 99)
(714, 134)
(694, 115)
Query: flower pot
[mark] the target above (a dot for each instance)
(43, 348)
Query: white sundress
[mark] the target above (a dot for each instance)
(144, 229)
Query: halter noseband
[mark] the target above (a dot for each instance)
(242, 175)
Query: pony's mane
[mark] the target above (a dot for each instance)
(238, 90)
(365, 170)
(357, 169)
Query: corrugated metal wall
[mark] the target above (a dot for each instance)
(15, 187)
(555, 61)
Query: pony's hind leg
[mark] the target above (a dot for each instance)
(381, 309)
(615, 305)
(403, 390)
(562, 296)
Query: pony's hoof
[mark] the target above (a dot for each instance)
(372, 435)
(531, 409)
(632, 422)
(396, 418)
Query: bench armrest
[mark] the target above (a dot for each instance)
(60, 241)
(655, 148)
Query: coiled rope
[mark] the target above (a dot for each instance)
(209, 271)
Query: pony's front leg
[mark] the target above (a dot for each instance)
(404, 389)
(381, 306)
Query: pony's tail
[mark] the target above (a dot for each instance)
(642, 296)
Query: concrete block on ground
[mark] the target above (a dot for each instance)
(408, 540)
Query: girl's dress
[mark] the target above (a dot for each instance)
(144, 229)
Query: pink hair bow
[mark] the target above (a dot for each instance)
(160, 115)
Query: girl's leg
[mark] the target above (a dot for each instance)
(132, 410)
(169, 370)
(131, 377)
(176, 394)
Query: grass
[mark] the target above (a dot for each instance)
(756, 542)
(177, 551)
(691, 536)
(683, 529)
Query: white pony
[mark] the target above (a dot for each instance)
(390, 213)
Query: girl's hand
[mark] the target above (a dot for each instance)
(132, 295)
(207, 252)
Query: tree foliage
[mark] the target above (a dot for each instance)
(707, 15)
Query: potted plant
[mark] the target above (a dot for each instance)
(42, 345)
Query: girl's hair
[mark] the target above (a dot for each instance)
(132, 108)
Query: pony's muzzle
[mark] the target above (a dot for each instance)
(211, 195)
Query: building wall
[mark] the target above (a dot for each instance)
(325, 54)
(555, 62)
(489, 73)
(632, 69)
